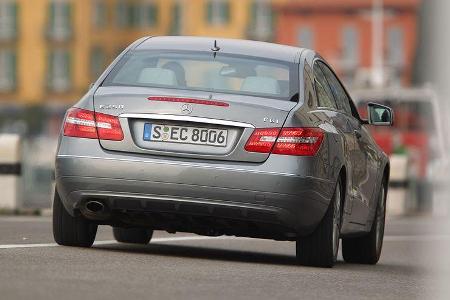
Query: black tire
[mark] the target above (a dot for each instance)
(71, 231)
(133, 235)
(367, 249)
(321, 247)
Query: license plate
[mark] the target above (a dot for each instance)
(185, 134)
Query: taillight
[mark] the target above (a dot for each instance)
(108, 127)
(80, 123)
(288, 141)
(299, 141)
(262, 140)
(87, 124)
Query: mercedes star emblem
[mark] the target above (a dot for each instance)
(186, 108)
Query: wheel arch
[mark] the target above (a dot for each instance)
(383, 180)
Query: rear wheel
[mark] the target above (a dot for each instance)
(367, 249)
(71, 231)
(132, 235)
(320, 249)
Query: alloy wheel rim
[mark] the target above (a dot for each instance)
(336, 220)
(379, 230)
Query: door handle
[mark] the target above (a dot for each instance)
(357, 134)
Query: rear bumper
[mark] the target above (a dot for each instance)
(292, 203)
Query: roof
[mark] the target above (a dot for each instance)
(231, 46)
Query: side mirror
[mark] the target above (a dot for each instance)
(380, 115)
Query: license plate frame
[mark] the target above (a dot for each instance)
(191, 135)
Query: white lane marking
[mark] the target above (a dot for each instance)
(155, 240)
(27, 219)
(418, 238)
(16, 246)
(392, 238)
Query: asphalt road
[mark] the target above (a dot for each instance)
(185, 266)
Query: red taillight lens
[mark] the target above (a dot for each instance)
(80, 123)
(288, 141)
(299, 141)
(85, 124)
(108, 127)
(262, 140)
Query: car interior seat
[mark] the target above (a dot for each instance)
(261, 84)
(158, 76)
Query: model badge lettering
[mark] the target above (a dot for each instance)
(270, 120)
(111, 106)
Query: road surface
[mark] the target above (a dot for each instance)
(184, 266)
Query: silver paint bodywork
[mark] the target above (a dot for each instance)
(291, 191)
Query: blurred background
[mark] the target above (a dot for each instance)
(388, 51)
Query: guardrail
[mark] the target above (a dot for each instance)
(398, 186)
(10, 171)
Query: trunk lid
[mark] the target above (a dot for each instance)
(231, 116)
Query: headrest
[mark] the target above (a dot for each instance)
(260, 84)
(158, 76)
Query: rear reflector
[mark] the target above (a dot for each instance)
(188, 100)
(87, 124)
(288, 141)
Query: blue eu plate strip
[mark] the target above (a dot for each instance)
(147, 132)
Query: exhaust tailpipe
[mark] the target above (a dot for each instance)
(95, 207)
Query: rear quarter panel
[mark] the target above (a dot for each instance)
(329, 160)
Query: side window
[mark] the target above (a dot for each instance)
(343, 100)
(339, 93)
(324, 95)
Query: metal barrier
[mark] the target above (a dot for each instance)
(38, 155)
(10, 171)
(398, 186)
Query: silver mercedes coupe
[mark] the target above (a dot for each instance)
(223, 137)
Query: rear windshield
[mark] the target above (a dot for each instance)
(224, 73)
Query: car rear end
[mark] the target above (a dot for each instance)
(193, 140)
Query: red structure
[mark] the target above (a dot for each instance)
(341, 31)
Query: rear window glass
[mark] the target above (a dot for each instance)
(224, 73)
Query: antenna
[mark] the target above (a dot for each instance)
(215, 47)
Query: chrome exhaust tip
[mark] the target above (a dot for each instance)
(95, 207)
